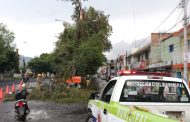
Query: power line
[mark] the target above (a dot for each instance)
(165, 18)
(177, 45)
(166, 48)
(169, 29)
(161, 23)
(179, 16)
(177, 23)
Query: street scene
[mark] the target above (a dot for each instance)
(46, 111)
(95, 61)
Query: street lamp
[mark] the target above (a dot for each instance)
(59, 20)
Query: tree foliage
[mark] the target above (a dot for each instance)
(77, 8)
(8, 55)
(40, 64)
(79, 49)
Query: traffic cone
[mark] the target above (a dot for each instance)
(1, 93)
(7, 90)
(13, 88)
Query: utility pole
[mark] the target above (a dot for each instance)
(185, 74)
(17, 61)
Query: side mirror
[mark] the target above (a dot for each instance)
(94, 96)
(97, 96)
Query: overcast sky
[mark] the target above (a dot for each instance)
(35, 28)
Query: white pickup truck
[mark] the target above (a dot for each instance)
(141, 98)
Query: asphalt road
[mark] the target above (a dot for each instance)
(46, 112)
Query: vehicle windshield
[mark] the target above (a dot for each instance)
(154, 91)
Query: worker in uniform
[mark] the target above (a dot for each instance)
(88, 80)
(39, 82)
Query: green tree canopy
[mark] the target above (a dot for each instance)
(79, 49)
(40, 64)
(8, 55)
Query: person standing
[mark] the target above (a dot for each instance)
(26, 79)
(88, 80)
(39, 82)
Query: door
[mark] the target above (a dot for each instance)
(105, 98)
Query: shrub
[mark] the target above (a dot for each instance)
(61, 94)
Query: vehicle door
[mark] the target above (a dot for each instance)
(104, 103)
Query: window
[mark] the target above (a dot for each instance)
(107, 92)
(178, 74)
(146, 55)
(171, 48)
(129, 61)
(139, 58)
(188, 45)
(154, 91)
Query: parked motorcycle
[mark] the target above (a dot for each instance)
(21, 106)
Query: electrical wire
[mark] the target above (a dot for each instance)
(177, 23)
(161, 50)
(161, 23)
(166, 48)
(179, 16)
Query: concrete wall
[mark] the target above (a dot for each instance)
(176, 55)
(156, 38)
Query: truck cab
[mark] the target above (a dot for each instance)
(141, 98)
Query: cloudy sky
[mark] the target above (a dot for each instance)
(35, 28)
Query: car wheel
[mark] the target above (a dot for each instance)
(90, 118)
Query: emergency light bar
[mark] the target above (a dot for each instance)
(132, 72)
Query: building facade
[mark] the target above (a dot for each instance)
(165, 53)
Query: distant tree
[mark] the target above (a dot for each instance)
(40, 64)
(12, 61)
(8, 55)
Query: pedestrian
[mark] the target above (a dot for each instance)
(48, 74)
(88, 81)
(52, 77)
(26, 79)
(39, 82)
(43, 75)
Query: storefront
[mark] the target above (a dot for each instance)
(178, 68)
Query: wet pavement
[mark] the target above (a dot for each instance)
(46, 112)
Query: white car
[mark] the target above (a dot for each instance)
(141, 98)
